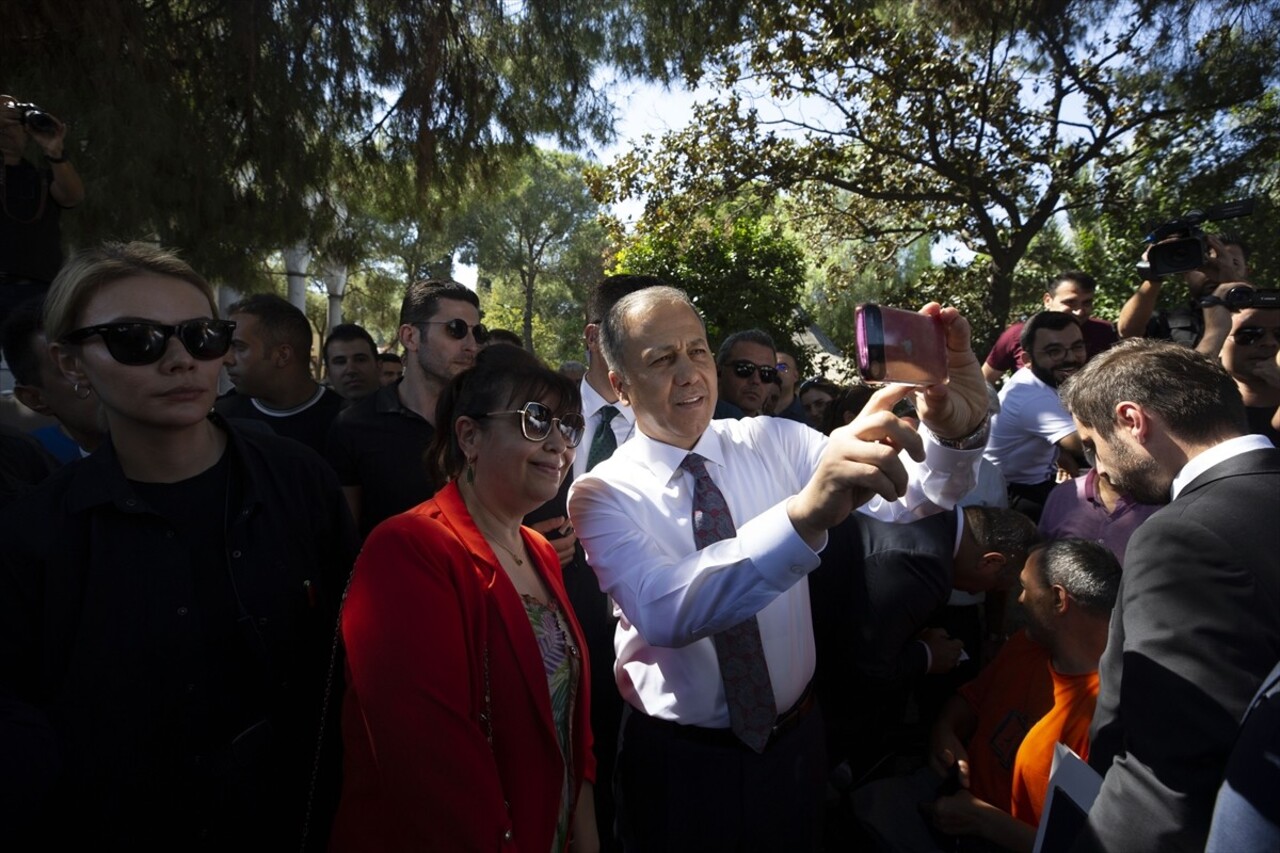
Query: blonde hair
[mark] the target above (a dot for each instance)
(91, 269)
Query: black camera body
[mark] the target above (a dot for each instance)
(1181, 245)
(35, 119)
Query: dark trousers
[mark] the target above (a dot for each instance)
(678, 790)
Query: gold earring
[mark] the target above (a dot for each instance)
(76, 389)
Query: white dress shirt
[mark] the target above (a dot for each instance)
(633, 513)
(623, 424)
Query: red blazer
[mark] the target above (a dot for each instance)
(427, 599)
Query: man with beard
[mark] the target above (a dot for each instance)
(376, 445)
(1195, 627)
(1033, 435)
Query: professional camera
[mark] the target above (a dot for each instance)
(1239, 298)
(1190, 248)
(35, 119)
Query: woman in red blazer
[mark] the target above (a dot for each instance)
(466, 721)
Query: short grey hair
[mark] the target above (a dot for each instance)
(1088, 572)
(613, 331)
(751, 336)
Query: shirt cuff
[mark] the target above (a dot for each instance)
(773, 546)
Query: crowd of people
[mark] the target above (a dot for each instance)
(675, 597)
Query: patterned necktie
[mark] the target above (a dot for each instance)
(739, 650)
(604, 442)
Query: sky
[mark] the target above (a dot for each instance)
(642, 108)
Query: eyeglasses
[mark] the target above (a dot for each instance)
(138, 343)
(743, 370)
(1058, 351)
(1251, 336)
(458, 328)
(536, 422)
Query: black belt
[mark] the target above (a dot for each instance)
(786, 722)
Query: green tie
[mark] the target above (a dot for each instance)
(604, 442)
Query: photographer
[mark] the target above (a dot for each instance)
(31, 201)
(1194, 325)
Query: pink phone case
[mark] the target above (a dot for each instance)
(900, 346)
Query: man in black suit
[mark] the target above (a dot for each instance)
(877, 589)
(1197, 623)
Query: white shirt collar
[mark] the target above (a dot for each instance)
(1218, 453)
(592, 403)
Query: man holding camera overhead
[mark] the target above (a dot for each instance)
(31, 200)
(1205, 321)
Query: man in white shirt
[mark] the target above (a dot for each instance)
(686, 778)
(1033, 434)
(1196, 626)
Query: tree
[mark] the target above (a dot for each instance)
(975, 121)
(215, 126)
(738, 266)
(539, 233)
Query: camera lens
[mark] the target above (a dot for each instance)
(38, 121)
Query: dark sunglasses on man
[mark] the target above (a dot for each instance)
(743, 369)
(457, 329)
(137, 343)
(1251, 336)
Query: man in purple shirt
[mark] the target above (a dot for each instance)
(1089, 507)
(1071, 292)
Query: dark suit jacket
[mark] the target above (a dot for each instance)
(877, 586)
(1195, 629)
(1247, 814)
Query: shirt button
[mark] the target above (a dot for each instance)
(168, 534)
(508, 835)
(235, 554)
(797, 570)
(182, 611)
(130, 502)
(191, 688)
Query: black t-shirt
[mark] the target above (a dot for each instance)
(30, 235)
(229, 658)
(308, 423)
(379, 445)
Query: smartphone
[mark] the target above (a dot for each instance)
(899, 346)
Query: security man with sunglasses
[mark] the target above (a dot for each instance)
(1251, 355)
(746, 364)
(376, 445)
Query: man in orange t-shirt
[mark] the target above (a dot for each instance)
(1068, 589)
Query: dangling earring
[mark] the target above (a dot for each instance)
(471, 471)
(76, 389)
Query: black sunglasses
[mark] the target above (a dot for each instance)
(743, 369)
(137, 343)
(458, 328)
(536, 421)
(1251, 336)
